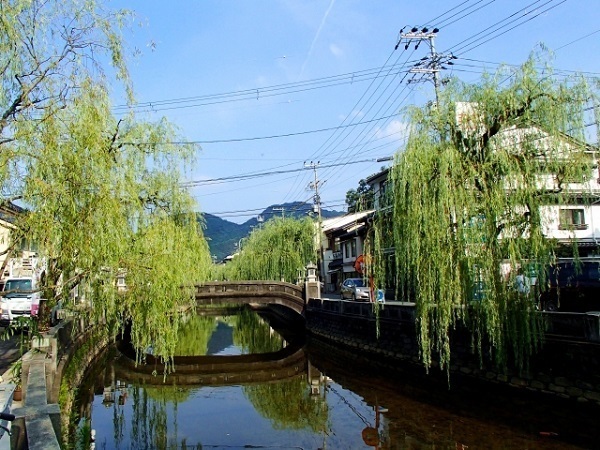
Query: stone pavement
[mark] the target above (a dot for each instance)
(38, 414)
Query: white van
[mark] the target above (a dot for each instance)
(19, 299)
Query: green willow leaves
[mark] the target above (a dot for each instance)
(103, 193)
(279, 251)
(473, 192)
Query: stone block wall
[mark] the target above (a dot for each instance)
(563, 367)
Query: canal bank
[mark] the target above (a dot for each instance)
(334, 399)
(566, 367)
(51, 372)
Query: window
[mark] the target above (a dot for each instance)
(350, 249)
(18, 285)
(572, 219)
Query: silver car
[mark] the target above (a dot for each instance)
(356, 289)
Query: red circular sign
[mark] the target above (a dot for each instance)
(359, 264)
(370, 436)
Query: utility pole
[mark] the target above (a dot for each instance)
(317, 208)
(282, 209)
(431, 65)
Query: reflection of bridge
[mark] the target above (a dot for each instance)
(257, 292)
(289, 362)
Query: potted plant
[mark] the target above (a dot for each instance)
(15, 377)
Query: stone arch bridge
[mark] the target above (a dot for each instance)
(289, 362)
(281, 293)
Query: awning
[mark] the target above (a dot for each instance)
(336, 264)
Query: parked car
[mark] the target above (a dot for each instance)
(356, 289)
(572, 286)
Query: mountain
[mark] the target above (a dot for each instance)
(223, 236)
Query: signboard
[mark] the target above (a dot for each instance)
(359, 264)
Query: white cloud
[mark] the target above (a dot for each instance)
(354, 115)
(396, 129)
(262, 80)
(336, 51)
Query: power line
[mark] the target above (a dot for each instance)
(259, 93)
(257, 138)
(435, 19)
(446, 13)
(444, 24)
(335, 136)
(261, 211)
(577, 40)
(464, 47)
(241, 177)
(330, 144)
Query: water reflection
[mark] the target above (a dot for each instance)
(243, 333)
(262, 391)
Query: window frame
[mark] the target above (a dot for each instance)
(572, 219)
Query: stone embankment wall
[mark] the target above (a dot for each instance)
(60, 355)
(567, 365)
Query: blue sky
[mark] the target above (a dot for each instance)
(269, 86)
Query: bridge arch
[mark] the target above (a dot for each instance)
(289, 362)
(255, 292)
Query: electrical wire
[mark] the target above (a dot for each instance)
(372, 97)
(324, 148)
(240, 177)
(256, 138)
(577, 40)
(334, 139)
(463, 47)
(260, 93)
(445, 25)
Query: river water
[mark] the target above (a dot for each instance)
(240, 385)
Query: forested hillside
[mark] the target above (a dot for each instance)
(223, 236)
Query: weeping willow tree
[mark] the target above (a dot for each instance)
(102, 193)
(278, 251)
(473, 195)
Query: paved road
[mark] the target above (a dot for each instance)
(9, 351)
(334, 296)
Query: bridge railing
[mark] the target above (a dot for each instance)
(288, 294)
(250, 286)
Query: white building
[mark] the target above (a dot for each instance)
(342, 246)
(578, 217)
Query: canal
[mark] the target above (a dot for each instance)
(240, 384)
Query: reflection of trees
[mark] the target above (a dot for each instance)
(288, 404)
(145, 416)
(148, 422)
(194, 334)
(167, 393)
(254, 335)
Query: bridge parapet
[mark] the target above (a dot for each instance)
(265, 292)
